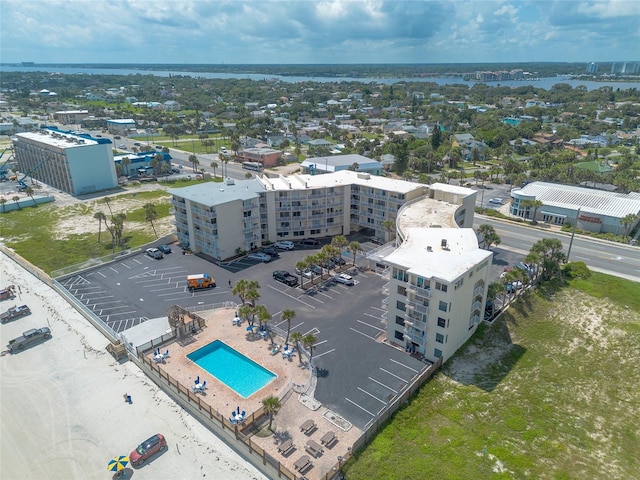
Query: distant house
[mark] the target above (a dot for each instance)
(387, 160)
(329, 164)
(320, 142)
(67, 117)
(172, 106)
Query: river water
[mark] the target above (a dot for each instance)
(544, 83)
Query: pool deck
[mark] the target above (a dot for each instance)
(297, 409)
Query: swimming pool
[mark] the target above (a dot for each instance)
(239, 373)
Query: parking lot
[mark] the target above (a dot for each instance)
(358, 374)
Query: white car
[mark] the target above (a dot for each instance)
(284, 245)
(496, 201)
(343, 278)
(261, 257)
(154, 253)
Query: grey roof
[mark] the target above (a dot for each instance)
(212, 193)
(342, 160)
(588, 200)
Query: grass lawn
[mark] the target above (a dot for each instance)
(549, 391)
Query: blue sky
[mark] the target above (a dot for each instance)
(318, 31)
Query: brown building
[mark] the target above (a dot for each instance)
(268, 157)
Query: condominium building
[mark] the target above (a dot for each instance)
(438, 275)
(74, 163)
(287, 208)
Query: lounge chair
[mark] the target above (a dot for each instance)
(275, 350)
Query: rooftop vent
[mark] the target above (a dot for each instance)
(444, 244)
(229, 181)
(429, 249)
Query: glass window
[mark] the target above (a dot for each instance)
(401, 306)
(437, 353)
(442, 322)
(399, 320)
(399, 335)
(439, 338)
(442, 306)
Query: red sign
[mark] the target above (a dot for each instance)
(587, 218)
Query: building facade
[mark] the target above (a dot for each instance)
(587, 208)
(268, 157)
(75, 164)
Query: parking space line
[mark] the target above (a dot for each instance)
(119, 314)
(291, 296)
(361, 408)
(371, 395)
(394, 375)
(324, 353)
(113, 269)
(125, 265)
(363, 334)
(383, 385)
(368, 325)
(112, 308)
(95, 304)
(314, 330)
(298, 325)
(319, 343)
(405, 366)
(379, 309)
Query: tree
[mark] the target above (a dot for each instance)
(354, 248)
(627, 222)
(29, 191)
(195, 162)
(247, 290)
(263, 316)
(2, 202)
(301, 266)
(339, 241)
(297, 337)
(16, 199)
(271, 405)
(150, 215)
(117, 228)
(528, 204)
(488, 236)
(124, 163)
(214, 165)
(549, 252)
(309, 340)
(101, 218)
(390, 227)
(287, 316)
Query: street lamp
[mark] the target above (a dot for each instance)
(573, 233)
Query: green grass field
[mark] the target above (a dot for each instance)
(550, 391)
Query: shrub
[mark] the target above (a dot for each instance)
(576, 270)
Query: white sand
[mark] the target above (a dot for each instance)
(62, 412)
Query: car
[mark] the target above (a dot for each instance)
(284, 245)
(137, 144)
(306, 272)
(164, 248)
(329, 264)
(117, 137)
(376, 240)
(343, 278)
(223, 150)
(317, 269)
(159, 147)
(496, 201)
(154, 253)
(513, 286)
(123, 146)
(175, 170)
(147, 449)
(309, 241)
(339, 261)
(285, 277)
(261, 257)
(271, 251)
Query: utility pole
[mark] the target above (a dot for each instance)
(573, 232)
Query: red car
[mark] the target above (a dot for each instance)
(147, 449)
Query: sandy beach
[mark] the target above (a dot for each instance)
(62, 412)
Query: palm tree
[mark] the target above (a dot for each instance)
(301, 266)
(29, 192)
(2, 202)
(151, 214)
(195, 162)
(124, 163)
(297, 337)
(339, 241)
(354, 248)
(488, 236)
(309, 340)
(389, 226)
(271, 406)
(16, 199)
(247, 290)
(214, 165)
(263, 318)
(627, 221)
(535, 204)
(101, 218)
(287, 316)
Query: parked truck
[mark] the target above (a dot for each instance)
(14, 312)
(8, 292)
(29, 337)
(201, 280)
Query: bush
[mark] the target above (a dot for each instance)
(576, 270)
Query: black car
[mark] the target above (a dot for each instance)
(271, 251)
(285, 277)
(309, 241)
(164, 248)
(339, 261)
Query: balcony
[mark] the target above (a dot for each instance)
(479, 290)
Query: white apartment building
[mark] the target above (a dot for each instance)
(286, 208)
(74, 163)
(438, 275)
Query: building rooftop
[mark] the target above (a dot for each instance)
(212, 193)
(341, 160)
(58, 138)
(422, 253)
(588, 200)
(427, 213)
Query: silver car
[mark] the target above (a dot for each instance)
(343, 278)
(259, 256)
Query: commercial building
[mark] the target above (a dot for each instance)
(589, 209)
(74, 163)
(336, 163)
(68, 117)
(268, 157)
(121, 126)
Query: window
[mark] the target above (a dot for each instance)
(401, 306)
(441, 286)
(442, 306)
(437, 353)
(458, 284)
(399, 320)
(399, 335)
(442, 322)
(402, 291)
(439, 338)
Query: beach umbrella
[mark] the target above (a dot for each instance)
(118, 463)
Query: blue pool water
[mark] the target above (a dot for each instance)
(239, 373)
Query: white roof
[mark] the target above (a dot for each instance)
(422, 253)
(588, 200)
(57, 139)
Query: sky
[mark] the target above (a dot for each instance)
(318, 31)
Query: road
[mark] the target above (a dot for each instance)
(607, 257)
